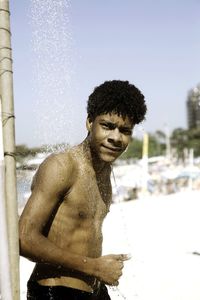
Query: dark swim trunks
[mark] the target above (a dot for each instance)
(39, 292)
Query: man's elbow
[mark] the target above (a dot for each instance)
(26, 243)
(23, 246)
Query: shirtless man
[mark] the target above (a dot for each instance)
(61, 225)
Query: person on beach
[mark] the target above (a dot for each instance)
(61, 225)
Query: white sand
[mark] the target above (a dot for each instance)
(160, 233)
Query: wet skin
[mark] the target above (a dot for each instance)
(61, 225)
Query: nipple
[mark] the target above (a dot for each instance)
(82, 215)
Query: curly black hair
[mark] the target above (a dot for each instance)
(119, 97)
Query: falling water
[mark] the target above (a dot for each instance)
(52, 69)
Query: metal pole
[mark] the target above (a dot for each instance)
(5, 280)
(6, 89)
(145, 163)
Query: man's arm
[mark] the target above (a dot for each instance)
(53, 179)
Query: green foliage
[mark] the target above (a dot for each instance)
(186, 139)
(160, 136)
(180, 140)
(155, 147)
(193, 136)
(134, 150)
(23, 150)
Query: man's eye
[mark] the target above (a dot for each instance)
(106, 126)
(126, 131)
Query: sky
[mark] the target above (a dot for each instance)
(62, 49)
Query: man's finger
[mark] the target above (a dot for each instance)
(121, 265)
(124, 257)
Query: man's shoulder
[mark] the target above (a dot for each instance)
(61, 161)
(70, 158)
(59, 168)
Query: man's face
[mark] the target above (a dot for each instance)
(109, 136)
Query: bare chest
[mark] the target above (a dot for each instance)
(86, 204)
(89, 198)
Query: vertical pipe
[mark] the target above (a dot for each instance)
(5, 280)
(145, 162)
(145, 145)
(6, 88)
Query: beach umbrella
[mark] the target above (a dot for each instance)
(189, 172)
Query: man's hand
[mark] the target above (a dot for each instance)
(109, 268)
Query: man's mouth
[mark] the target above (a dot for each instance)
(113, 149)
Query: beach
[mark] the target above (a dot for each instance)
(162, 234)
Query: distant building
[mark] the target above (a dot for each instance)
(193, 108)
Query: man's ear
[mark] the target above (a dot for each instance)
(88, 124)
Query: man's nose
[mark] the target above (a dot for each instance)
(115, 136)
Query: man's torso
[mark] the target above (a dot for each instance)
(76, 223)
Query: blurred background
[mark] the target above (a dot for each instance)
(63, 49)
